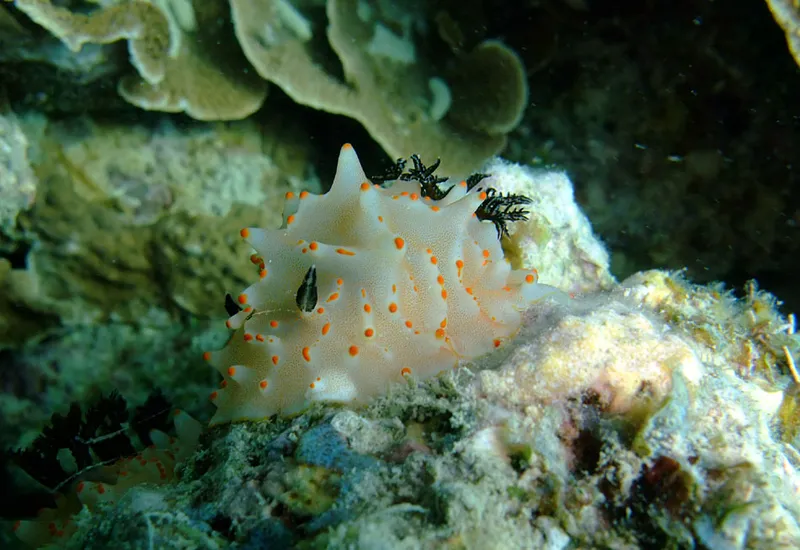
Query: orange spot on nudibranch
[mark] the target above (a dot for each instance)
(213, 395)
(399, 243)
(339, 282)
(353, 350)
(444, 294)
(307, 354)
(260, 337)
(440, 279)
(439, 333)
(321, 310)
(231, 371)
(333, 297)
(405, 371)
(345, 252)
(367, 308)
(262, 274)
(303, 194)
(485, 253)
(496, 343)
(393, 307)
(409, 324)
(275, 359)
(325, 328)
(483, 195)
(369, 333)
(435, 208)
(273, 323)
(263, 384)
(365, 186)
(434, 260)
(242, 299)
(247, 336)
(244, 233)
(414, 196)
(289, 195)
(207, 356)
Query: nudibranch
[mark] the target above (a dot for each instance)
(367, 284)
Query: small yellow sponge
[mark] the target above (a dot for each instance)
(362, 286)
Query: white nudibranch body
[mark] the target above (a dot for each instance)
(362, 286)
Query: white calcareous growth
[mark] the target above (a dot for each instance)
(362, 286)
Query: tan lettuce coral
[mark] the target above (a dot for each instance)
(397, 98)
(187, 59)
(178, 70)
(492, 89)
(787, 15)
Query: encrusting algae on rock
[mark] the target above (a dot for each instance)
(367, 284)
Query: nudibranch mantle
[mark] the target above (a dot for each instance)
(362, 286)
